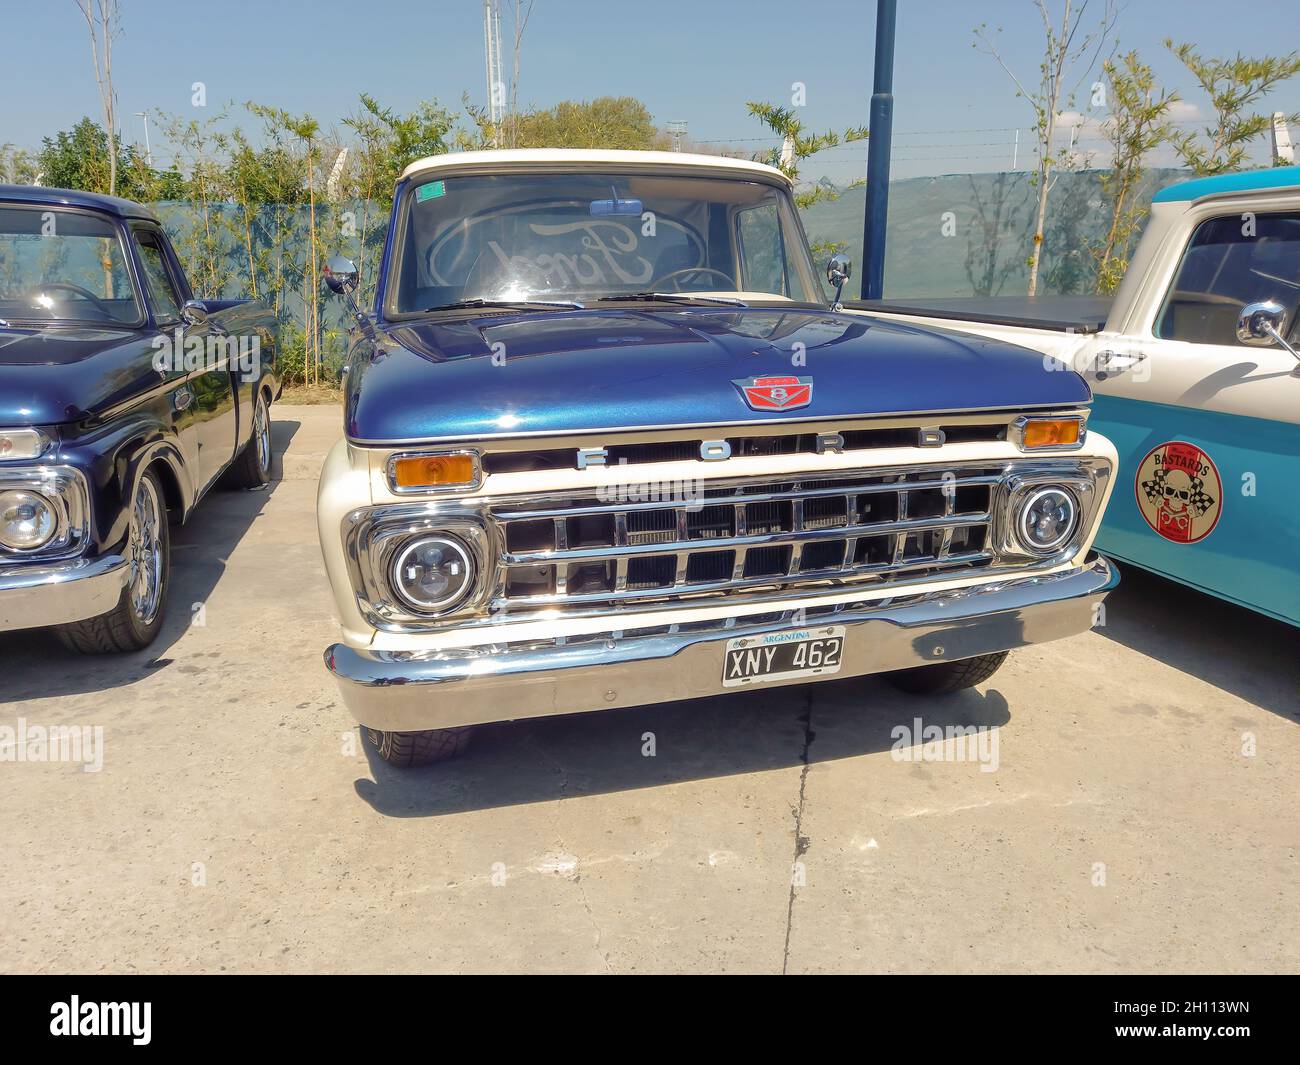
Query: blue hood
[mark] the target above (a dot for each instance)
(574, 371)
(50, 375)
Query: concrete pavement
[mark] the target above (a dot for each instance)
(1142, 815)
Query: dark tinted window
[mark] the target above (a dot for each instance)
(162, 290)
(60, 264)
(763, 250)
(590, 234)
(1232, 261)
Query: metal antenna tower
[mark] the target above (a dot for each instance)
(496, 86)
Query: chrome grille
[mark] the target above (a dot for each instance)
(733, 538)
(643, 449)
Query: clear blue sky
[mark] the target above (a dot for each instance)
(697, 61)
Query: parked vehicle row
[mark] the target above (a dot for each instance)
(607, 443)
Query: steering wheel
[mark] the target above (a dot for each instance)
(100, 305)
(674, 274)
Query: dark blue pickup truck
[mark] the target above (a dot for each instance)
(123, 400)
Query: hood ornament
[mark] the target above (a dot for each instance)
(776, 392)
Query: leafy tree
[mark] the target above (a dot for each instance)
(148, 185)
(204, 148)
(76, 158)
(1064, 52)
(798, 144)
(303, 131)
(17, 165)
(390, 142)
(268, 185)
(272, 173)
(1005, 198)
(79, 159)
(605, 122)
(1138, 123)
(1233, 86)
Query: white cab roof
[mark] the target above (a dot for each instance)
(581, 157)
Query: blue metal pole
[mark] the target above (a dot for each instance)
(878, 145)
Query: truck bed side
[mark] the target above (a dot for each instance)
(1064, 314)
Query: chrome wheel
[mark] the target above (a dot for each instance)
(145, 551)
(262, 434)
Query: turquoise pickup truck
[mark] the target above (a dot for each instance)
(1196, 379)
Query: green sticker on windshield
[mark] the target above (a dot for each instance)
(430, 191)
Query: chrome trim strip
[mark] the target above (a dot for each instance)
(792, 584)
(797, 535)
(410, 691)
(760, 497)
(33, 596)
(623, 431)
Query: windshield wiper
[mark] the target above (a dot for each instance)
(478, 301)
(671, 297)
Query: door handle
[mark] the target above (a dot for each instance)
(1105, 363)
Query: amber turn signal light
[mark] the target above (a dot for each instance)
(434, 471)
(1050, 432)
(23, 444)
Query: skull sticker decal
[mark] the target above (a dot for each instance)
(1179, 492)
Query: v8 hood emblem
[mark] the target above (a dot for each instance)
(776, 393)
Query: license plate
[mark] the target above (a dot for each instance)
(783, 656)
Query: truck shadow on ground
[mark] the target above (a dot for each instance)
(1234, 649)
(595, 753)
(37, 666)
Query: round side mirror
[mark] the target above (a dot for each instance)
(839, 269)
(341, 275)
(1260, 324)
(194, 312)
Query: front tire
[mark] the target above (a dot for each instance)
(134, 623)
(942, 678)
(406, 749)
(252, 466)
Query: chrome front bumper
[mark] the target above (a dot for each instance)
(35, 595)
(410, 691)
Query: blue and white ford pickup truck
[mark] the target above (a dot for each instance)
(123, 400)
(607, 445)
(1196, 369)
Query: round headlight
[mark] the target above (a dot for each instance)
(1048, 518)
(27, 520)
(433, 573)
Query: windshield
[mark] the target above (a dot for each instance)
(581, 236)
(63, 265)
